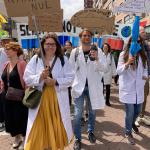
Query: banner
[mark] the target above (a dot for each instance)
(20, 8)
(124, 31)
(28, 39)
(96, 20)
(48, 22)
(134, 7)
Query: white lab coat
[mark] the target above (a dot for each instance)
(111, 71)
(131, 84)
(93, 71)
(64, 76)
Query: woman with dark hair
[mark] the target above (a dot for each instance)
(49, 125)
(68, 47)
(107, 78)
(132, 71)
(16, 114)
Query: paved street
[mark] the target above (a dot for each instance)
(109, 130)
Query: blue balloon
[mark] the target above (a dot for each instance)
(135, 46)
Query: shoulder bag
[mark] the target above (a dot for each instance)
(33, 95)
(12, 93)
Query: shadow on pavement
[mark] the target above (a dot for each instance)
(147, 113)
(100, 113)
(144, 140)
(115, 103)
(114, 90)
(114, 99)
(110, 146)
(106, 133)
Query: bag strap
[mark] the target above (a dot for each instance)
(76, 54)
(62, 60)
(111, 58)
(7, 70)
(51, 68)
(53, 63)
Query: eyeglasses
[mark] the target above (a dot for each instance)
(50, 44)
(86, 35)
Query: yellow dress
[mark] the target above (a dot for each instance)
(48, 130)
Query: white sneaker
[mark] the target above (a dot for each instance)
(137, 123)
(2, 127)
(17, 142)
(21, 147)
(145, 120)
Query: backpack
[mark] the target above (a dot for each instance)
(76, 54)
(111, 58)
(62, 61)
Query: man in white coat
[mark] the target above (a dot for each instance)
(89, 66)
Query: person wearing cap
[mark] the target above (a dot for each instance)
(89, 65)
(142, 118)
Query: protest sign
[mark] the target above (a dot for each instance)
(134, 7)
(48, 22)
(19, 8)
(96, 20)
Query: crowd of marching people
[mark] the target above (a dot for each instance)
(68, 76)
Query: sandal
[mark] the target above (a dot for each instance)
(17, 142)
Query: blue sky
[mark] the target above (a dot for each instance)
(70, 7)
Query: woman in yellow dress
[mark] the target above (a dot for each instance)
(49, 125)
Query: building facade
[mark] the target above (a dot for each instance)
(110, 4)
(88, 4)
(121, 17)
(99, 3)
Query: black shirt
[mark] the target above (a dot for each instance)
(86, 56)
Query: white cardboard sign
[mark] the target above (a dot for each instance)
(134, 7)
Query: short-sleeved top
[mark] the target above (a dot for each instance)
(14, 79)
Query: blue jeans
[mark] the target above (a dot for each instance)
(79, 108)
(132, 112)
